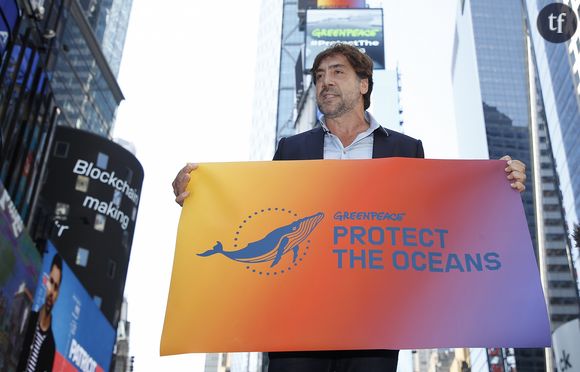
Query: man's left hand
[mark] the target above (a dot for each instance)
(516, 173)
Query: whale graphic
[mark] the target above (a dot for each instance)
(274, 245)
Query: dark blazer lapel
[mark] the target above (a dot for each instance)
(381, 146)
(315, 144)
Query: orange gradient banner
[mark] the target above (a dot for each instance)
(356, 254)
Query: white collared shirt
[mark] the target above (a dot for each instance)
(360, 148)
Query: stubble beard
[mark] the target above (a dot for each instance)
(337, 110)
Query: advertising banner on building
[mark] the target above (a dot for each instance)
(362, 28)
(9, 14)
(91, 197)
(77, 337)
(294, 255)
(341, 3)
(23, 64)
(19, 269)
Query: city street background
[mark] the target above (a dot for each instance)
(188, 78)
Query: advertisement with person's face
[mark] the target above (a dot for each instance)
(66, 330)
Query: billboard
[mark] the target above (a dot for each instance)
(9, 14)
(19, 268)
(362, 28)
(23, 64)
(90, 199)
(77, 336)
(341, 3)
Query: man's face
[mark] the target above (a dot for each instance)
(52, 288)
(338, 88)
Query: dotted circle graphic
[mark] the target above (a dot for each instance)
(266, 270)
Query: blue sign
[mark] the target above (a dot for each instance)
(19, 268)
(84, 338)
(9, 13)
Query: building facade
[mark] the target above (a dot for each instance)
(263, 129)
(558, 67)
(514, 120)
(58, 71)
(53, 72)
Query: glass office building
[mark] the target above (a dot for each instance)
(502, 66)
(109, 20)
(514, 111)
(28, 111)
(559, 77)
(263, 129)
(82, 80)
(54, 72)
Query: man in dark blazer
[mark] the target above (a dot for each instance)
(343, 79)
(310, 145)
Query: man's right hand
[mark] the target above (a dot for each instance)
(180, 183)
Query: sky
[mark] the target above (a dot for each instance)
(188, 80)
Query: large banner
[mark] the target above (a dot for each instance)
(80, 337)
(360, 254)
(362, 28)
(19, 269)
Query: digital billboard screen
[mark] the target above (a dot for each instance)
(8, 17)
(66, 330)
(362, 28)
(341, 3)
(91, 194)
(19, 269)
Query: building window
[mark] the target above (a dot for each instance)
(100, 221)
(129, 175)
(61, 211)
(125, 239)
(82, 257)
(82, 183)
(111, 270)
(61, 149)
(117, 196)
(548, 193)
(102, 160)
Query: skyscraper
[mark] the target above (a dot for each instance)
(109, 20)
(492, 51)
(558, 67)
(263, 131)
(59, 68)
(53, 72)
